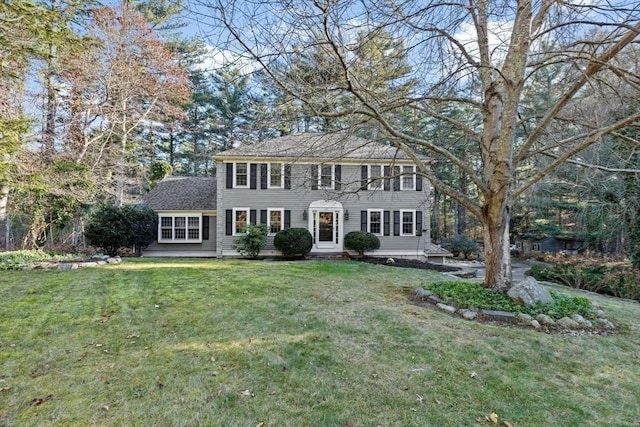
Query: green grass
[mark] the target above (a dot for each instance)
(179, 343)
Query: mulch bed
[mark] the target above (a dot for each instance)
(408, 263)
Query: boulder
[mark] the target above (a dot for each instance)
(468, 314)
(423, 293)
(447, 308)
(524, 318)
(529, 292)
(605, 323)
(534, 323)
(498, 315)
(545, 320)
(568, 323)
(582, 321)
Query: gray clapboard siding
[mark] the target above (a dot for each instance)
(300, 196)
(206, 248)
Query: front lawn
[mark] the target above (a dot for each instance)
(248, 343)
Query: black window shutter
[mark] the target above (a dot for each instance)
(396, 223)
(338, 174)
(364, 176)
(229, 175)
(387, 223)
(314, 177)
(253, 176)
(396, 178)
(252, 216)
(363, 221)
(263, 216)
(263, 176)
(287, 177)
(205, 228)
(387, 182)
(287, 218)
(418, 182)
(418, 223)
(229, 222)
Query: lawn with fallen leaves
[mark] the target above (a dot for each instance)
(313, 343)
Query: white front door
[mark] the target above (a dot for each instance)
(325, 225)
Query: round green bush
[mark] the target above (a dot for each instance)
(361, 241)
(293, 241)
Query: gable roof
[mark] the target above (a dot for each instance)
(183, 193)
(315, 146)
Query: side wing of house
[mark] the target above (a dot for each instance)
(186, 208)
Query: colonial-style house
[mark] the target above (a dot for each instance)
(330, 184)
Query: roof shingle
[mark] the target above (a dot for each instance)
(183, 193)
(329, 146)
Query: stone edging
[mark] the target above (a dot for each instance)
(94, 261)
(576, 325)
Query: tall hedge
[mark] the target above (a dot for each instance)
(113, 228)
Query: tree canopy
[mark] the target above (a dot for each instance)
(484, 58)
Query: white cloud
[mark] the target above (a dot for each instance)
(499, 35)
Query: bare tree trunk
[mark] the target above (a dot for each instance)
(121, 166)
(437, 196)
(496, 250)
(4, 215)
(51, 103)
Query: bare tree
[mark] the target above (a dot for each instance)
(124, 78)
(476, 54)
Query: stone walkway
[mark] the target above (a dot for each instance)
(518, 268)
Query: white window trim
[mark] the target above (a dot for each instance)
(173, 215)
(405, 174)
(413, 213)
(381, 212)
(235, 175)
(333, 177)
(235, 210)
(269, 176)
(281, 210)
(377, 182)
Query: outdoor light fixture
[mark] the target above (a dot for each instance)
(304, 214)
(346, 215)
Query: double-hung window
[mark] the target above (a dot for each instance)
(180, 228)
(374, 223)
(276, 175)
(375, 177)
(408, 179)
(241, 175)
(407, 223)
(326, 176)
(275, 220)
(240, 220)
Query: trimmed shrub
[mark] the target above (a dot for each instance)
(294, 242)
(115, 228)
(361, 241)
(252, 241)
(460, 244)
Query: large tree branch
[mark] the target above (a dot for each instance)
(594, 67)
(590, 140)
